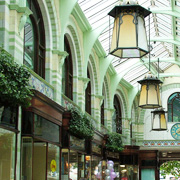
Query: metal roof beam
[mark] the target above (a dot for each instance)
(165, 10)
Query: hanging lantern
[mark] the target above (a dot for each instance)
(159, 122)
(150, 94)
(129, 38)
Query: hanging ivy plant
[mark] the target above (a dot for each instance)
(80, 125)
(114, 142)
(14, 82)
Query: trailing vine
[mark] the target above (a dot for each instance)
(80, 125)
(114, 142)
(14, 82)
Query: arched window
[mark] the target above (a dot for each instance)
(102, 113)
(117, 118)
(34, 40)
(88, 95)
(102, 110)
(68, 71)
(174, 107)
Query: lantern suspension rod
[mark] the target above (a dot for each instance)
(109, 34)
(149, 44)
(158, 68)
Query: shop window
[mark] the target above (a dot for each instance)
(34, 40)
(148, 174)
(127, 172)
(27, 123)
(73, 165)
(53, 162)
(81, 166)
(149, 163)
(173, 107)
(26, 158)
(64, 164)
(8, 116)
(7, 154)
(68, 71)
(117, 118)
(40, 127)
(39, 159)
(94, 166)
(45, 129)
(88, 95)
(87, 167)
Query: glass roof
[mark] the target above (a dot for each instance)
(164, 30)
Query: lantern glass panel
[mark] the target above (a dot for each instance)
(143, 95)
(152, 95)
(156, 122)
(127, 36)
(142, 38)
(163, 121)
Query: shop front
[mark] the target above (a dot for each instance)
(73, 159)
(8, 142)
(41, 139)
(148, 165)
(114, 156)
(129, 163)
(73, 153)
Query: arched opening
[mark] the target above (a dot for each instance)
(170, 170)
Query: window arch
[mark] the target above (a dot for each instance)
(88, 95)
(34, 40)
(173, 107)
(68, 71)
(117, 118)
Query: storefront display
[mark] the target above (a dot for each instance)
(8, 134)
(7, 154)
(41, 134)
(96, 158)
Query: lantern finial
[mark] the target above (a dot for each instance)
(131, 2)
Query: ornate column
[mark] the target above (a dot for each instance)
(82, 85)
(110, 113)
(17, 19)
(58, 61)
(98, 100)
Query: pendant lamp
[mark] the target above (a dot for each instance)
(129, 38)
(149, 93)
(159, 122)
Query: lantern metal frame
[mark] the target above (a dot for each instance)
(162, 120)
(128, 9)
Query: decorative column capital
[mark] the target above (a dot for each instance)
(62, 55)
(111, 111)
(24, 12)
(85, 82)
(101, 98)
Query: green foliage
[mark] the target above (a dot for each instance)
(14, 79)
(80, 124)
(114, 142)
(170, 167)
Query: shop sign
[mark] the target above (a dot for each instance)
(112, 154)
(53, 165)
(96, 148)
(76, 143)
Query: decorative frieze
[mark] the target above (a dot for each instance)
(160, 143)
(39, 85)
